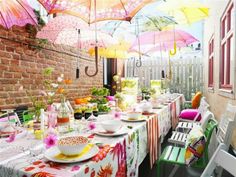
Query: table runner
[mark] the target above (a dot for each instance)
(153, 138)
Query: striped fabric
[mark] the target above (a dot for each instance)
(174, 117)
(153, 138)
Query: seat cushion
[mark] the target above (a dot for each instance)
(195, 145)
(196, 100)
(190, 114)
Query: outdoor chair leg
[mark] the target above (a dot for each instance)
(176, 167)
(159, 168)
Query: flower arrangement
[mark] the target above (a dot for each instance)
(48, 94)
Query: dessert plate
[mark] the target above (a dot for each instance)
(121, 131)
(54, 154)
(127, 119)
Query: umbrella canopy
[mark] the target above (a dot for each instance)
(65, 30)
(96, 10)
(16, 12)
(119, 51)
(185, 11)
(146, 23)
(165, 38)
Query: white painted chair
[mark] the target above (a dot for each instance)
(225, 130)
(179, 138)
(187, 125)
(220, 158)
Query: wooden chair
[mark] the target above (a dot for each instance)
(175, 155)
(225, 128)
(11, 116)
(186, 125)
(179, 138)
(220, 158)
(27, 116)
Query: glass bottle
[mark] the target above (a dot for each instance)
(63, 117)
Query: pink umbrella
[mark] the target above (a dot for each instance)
(96, 10)
(164, 40)
(64, 30)
(16, 12)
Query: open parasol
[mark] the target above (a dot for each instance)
(16, 12)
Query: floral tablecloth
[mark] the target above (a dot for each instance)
(118, 156)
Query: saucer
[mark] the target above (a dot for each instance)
(54, 154)
(121, 131)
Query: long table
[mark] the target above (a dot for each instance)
(118, 156)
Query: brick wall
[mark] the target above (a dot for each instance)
(21, 65)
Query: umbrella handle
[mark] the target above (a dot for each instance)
(96, 64)
(172, 53)
(139, 63)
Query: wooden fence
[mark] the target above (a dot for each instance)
(187, 72)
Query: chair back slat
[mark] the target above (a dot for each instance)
(220, 158)
(226, 125)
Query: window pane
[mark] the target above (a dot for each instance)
(231, 59)
(225, 62)
(223, 28)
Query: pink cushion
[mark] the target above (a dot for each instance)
(190, 114)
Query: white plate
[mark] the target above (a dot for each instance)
(52, 152)
(121, 131)
(127, 119)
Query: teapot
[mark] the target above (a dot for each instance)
(146, 106)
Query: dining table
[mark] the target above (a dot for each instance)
(117, 156)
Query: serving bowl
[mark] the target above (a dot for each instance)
(72, 145)
(111, 125)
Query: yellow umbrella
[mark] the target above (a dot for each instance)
(185, 11)
(119, 51)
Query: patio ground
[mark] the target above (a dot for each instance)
(181, 172)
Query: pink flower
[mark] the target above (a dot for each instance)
(50, 140)
(110, 98)
(75, 168)
(11, 138)
(91, 125)
(117, 115)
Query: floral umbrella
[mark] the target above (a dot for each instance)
(64, 30)
(16, 12)
(96, 10)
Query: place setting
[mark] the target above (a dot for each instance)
(71, 149)
(134, 117)
(111, 128)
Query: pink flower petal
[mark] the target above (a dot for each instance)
(75, 168)
(91, 125)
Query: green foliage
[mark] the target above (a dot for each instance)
(99, 95)
(99, 101)
(100, 91)
(103, 108)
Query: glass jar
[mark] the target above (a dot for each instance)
(63, 117)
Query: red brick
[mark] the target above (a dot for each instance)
(8, 75)
(22, 66)
(5, 54)
(10, 49)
